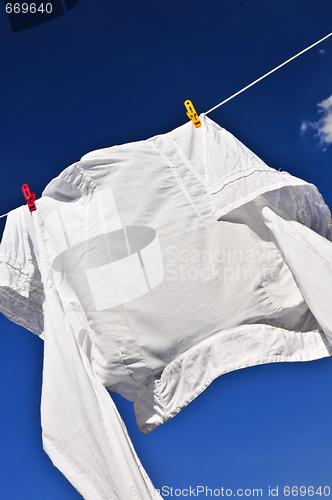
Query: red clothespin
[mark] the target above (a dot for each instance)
(191, 112)
(29, 197)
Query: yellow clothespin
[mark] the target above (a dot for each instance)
(191, 112)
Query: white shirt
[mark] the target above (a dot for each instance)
(152, 268)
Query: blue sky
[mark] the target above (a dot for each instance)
(110, 72)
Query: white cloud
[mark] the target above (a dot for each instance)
(323, 126)
(304, 127)
(327, 103)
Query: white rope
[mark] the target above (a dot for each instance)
(269, 73)
(5, 215)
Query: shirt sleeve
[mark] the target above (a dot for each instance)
(83, 432)
(21, 289)
(237, 178)
(279, 208)
(309, 257)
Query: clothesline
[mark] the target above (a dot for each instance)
(269, 73)
(256, 81)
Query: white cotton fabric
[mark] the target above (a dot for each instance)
(152, 268)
